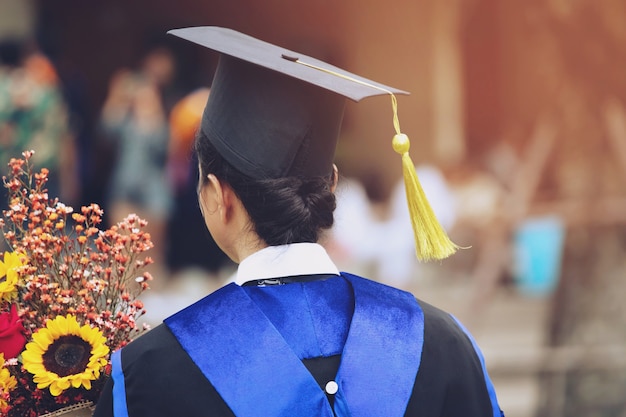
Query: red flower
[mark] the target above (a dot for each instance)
(12, 339)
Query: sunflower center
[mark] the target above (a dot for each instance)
(67, 355)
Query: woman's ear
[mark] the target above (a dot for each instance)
(333, 187)
(209, 192)
(223, 197)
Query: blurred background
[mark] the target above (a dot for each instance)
(517, 116)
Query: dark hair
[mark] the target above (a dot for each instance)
(283, 210)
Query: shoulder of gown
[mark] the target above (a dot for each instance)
(162, 380)
(452, 380)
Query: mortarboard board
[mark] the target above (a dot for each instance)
(273, 112)
(268, 114)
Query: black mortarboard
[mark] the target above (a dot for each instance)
(273, 112)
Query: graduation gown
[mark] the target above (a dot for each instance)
(390, 355)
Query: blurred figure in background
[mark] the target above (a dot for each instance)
(135, 120)
(184, 122)
(33, 115)
(190, 245)
(361, 225)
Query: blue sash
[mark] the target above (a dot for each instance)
(232, 342)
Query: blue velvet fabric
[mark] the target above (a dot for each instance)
(233, 334)
(382, 355)
(312, 317)
(231, 341)
(119, 388)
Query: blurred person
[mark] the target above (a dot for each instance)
(134, 119)
(293, 336)
(184, 122)
(190, 245)
(361, 225)
(34, 116)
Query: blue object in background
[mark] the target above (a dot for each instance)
(538, 249)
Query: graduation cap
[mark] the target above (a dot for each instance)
(273, 112)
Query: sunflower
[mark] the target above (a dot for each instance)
(64, 354)
(9, 275)
(7, 383)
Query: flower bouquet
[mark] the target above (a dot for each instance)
(68, 296)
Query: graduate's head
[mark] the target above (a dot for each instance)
(269, 131)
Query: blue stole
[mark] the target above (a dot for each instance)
(233, 342)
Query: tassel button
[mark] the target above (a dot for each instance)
(401, 143)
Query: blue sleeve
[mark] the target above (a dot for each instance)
(119, 389)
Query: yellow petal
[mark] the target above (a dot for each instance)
(55, 390)
(87, 383)
(43, 338)
(31, 357)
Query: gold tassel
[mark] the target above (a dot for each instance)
(431, 241)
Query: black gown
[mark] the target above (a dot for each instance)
(162, 380)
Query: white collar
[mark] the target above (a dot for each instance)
(286, 260)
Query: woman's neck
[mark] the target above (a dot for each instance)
(246, 245)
